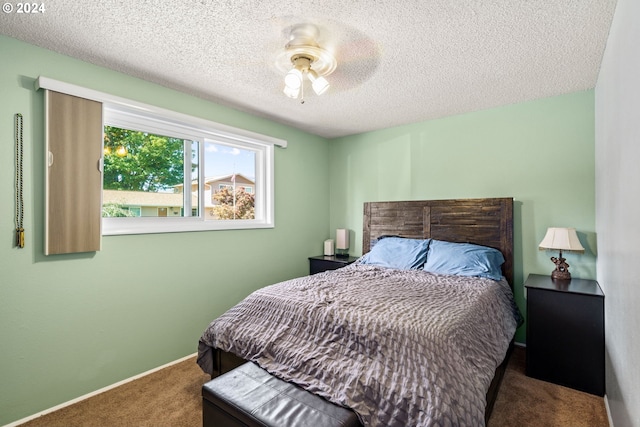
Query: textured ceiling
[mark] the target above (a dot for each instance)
(399, 61)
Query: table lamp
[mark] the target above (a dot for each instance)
(561, 239)
(342, 243)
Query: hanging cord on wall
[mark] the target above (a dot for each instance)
(19, 184)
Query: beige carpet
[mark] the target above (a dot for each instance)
(527, 402)
(171, 397)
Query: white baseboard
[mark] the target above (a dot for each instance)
(606, 406)
(94, 393)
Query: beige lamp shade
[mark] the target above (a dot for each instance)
(342, 243)
(564, 239)
(342, 238)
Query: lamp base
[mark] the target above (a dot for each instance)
(560, 275)
(342, 253)
(562, 268)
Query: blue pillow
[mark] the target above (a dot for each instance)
(397, 252)
(464, 259)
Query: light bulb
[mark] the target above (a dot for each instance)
(290, 92)
(319, 84)
(293, 79)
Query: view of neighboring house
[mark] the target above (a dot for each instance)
(146, 203)
(214, 184)
(158, 204)
(237, 181)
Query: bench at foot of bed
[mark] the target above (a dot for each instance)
(249, 396)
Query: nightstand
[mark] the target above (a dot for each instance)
(565, 332)
(318, 264)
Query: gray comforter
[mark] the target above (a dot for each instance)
(401, 348)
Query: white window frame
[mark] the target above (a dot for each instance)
(129, 114)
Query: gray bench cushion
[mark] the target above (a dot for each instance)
(250, 396)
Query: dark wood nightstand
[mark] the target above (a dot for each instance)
(318, 264)
(565, 332)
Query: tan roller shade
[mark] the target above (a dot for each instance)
(74, 179)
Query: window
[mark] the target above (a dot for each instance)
(188, 153)
(129, 210)
(164, 176)
(146, 171)
(229, 171)
(160, 169)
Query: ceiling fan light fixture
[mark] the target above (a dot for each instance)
(300, 54)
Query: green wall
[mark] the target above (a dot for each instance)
(71, 324)
(541, 153)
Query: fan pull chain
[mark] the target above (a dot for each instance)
(19, 182)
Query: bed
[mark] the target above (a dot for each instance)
(397, 343)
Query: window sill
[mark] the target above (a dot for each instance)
(125, 226)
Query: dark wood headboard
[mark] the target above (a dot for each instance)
(487, 222)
